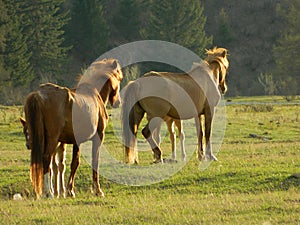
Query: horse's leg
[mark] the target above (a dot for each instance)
(208, 123)
(172, 133)
(200, 137)
(50, 151)
(97, 140)
(147, 133)
(156, 135)
(60, 160)
(53, 175)
(74, 166)
(131, 155)
(181, 135)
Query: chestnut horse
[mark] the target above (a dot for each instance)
(178, 96)
(57, 114)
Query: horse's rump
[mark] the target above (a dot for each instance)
(44, 113)
(129, 107)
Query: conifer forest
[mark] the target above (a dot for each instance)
(54, 41)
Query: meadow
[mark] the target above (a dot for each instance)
(255, 181)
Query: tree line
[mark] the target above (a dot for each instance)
(53, 41)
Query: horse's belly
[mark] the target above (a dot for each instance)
(186, 103)
(84, 124)
(185, 112)
(67, 136)
(84, 129)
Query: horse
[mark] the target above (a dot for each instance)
(57, 166)
(179, 96)
(57, 114)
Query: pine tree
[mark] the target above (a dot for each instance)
(126, 21)
(3, 30)
(180, 22)
(17, 55)
(88, 31)
(225, 36)
(287, 49)
(17, 70)
(44, 23)
(3, 25)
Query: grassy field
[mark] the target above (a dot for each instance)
(255, 181)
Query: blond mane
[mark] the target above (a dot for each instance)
(101, 70)
(217, 55)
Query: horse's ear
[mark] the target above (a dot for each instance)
(115, 64)
(224, 53)
(23, 121)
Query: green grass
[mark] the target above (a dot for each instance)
(252, 183)
(264, 99)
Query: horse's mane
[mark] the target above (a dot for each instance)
(105, 68)
(218, 55)
(113, 64)
(203, 66)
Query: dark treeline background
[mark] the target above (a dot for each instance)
(55, 40)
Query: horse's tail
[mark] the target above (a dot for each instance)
(34, 117)
(130, 107)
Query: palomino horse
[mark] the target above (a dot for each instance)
(178, 96)
(56, 114)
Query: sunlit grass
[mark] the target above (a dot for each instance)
(252, 183)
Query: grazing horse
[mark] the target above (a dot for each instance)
(179, 96)
(57, 114)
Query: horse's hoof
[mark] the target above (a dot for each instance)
(49, 196)
(165, 160)
(156, 161)
(100, 194)
(71, 193)
(62, 195)
(213, 158)
(209, 158)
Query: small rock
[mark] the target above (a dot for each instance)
(17, 197)
(253, 135)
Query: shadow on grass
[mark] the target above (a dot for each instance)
(231, 182)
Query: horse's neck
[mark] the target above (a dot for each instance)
(214, 66)
(87, 90)
(97, 89)
(104, 93)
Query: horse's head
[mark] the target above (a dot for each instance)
(26, 132)
(106, 76)
(115, 80)
(111, 90)
(218, 62)
(114, 95)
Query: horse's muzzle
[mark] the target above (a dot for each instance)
(222, 89)
(116, 104)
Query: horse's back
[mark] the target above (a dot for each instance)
(56, 107)
(50, 92)
(180, 90)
